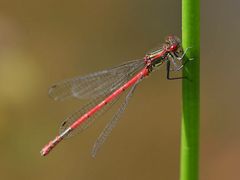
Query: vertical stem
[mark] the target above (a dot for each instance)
(190, 91)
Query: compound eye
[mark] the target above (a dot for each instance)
(173, 47)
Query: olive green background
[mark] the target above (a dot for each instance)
(42, 42)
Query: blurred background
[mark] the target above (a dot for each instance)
(42, 42)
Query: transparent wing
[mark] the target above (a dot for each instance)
(111, 124)
(95, 84)
(96, 100)
(71, 119)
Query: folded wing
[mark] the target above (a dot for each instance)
(95, 84)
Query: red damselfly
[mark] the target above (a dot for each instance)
(104, 88)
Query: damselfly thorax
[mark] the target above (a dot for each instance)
(170, 52)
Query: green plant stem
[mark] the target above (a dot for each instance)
(189, 165)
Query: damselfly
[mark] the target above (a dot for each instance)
(104, 88)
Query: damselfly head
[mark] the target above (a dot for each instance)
(172, 39)
(173, 44)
